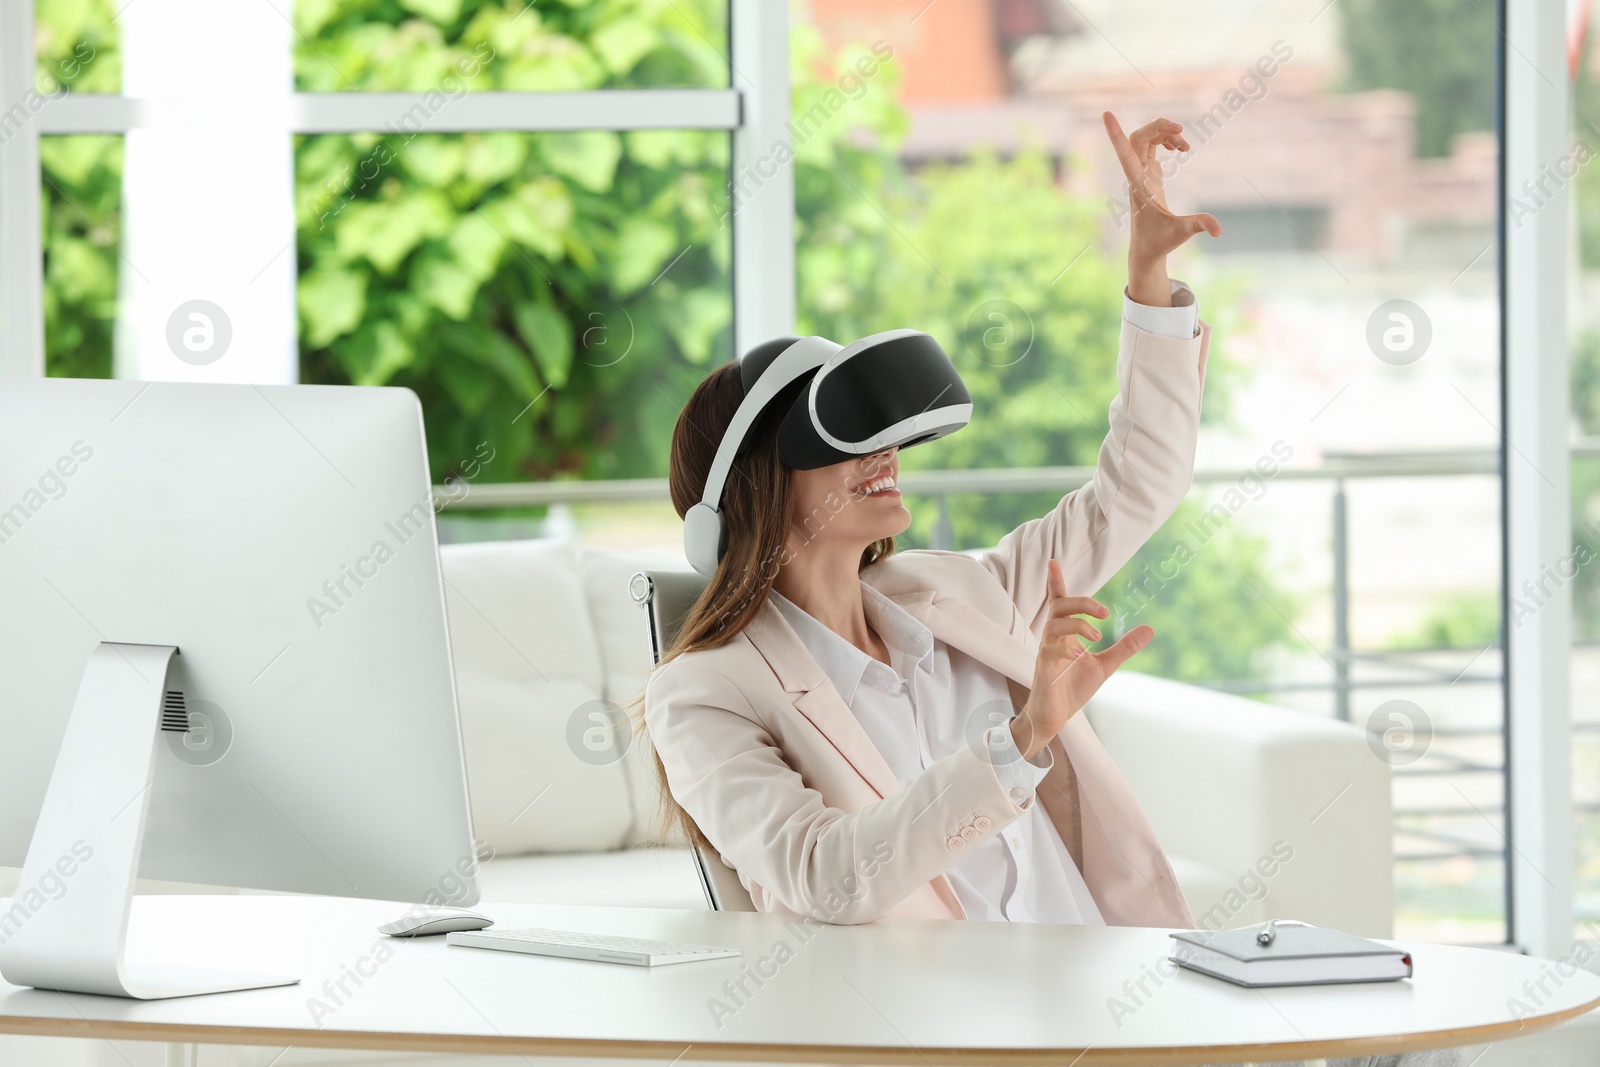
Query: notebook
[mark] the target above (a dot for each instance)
(1298, 955)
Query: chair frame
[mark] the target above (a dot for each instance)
(666, 597)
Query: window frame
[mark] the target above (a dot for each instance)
(1535, 464)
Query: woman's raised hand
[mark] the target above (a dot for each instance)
(1155, 231)
(1066, 674)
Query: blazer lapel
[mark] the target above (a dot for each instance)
(817, 699)
(962, 626)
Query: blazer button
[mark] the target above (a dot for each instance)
(981, 824)
(954, 843)
(969, 832)
(1018, 793)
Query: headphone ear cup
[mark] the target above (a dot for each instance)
(705, 538)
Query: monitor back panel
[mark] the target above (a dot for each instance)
(283, 538)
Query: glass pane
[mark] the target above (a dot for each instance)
(81, 208)
(550, 297)
(452, 46)
(966, 187)
(78, 47)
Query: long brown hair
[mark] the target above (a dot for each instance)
(756, 508)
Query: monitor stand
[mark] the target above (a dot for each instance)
(92, 825)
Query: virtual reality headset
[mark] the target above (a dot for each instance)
(892, 389)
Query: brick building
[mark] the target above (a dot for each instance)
(1287, 162)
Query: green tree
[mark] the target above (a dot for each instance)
(554, 295)
(1586, 185)
(1440, 51)
(1585, 486)
(80, 190)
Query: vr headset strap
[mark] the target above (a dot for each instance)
(799, 359)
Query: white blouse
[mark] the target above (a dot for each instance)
(928, 700)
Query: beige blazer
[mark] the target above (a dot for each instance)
(769, 761)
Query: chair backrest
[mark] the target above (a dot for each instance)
(667, 596)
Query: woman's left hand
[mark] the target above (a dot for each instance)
(1155, 231)
(1065, 673)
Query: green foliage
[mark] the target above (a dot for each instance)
(76, 44)
(1217, 616)
(1460, 620)
(1585, 399)
(555, 294)
(80, 205)
(1586, 185)
(81, 191)
(1440, 51)
(568, 45)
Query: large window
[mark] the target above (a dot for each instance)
(550, 220)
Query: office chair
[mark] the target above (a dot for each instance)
(667, 597)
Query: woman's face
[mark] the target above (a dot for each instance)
(848, 505)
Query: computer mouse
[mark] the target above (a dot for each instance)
(422, 921)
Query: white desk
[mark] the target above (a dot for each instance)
(914, 993)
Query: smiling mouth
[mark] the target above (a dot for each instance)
(881, 486)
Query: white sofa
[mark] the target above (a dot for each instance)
(1233, 786)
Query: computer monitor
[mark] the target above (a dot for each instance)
(225, 658)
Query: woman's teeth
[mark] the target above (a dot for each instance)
(877, 485)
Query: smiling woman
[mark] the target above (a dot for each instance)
(824, 692)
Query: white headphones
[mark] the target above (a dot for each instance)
(705, 531)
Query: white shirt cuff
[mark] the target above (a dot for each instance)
(1181, 321)
(1018, 777)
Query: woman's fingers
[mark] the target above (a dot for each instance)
(1163, 132)
(1067, 626)
(1125, 648)
(1078, 605)
(1055, 580)
(1127, 154)
(1154, 131)
(1205, 222)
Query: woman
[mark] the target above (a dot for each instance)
(840, 726)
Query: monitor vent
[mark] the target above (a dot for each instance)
(174, 713)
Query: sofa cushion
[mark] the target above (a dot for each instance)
(527, 665)
(622, 632)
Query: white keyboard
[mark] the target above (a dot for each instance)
(605, 948)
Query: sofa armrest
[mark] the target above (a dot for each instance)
(1239, 785)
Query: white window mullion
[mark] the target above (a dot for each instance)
(1538, 511)
(21, 252)
(761, 175)
(530, 112)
